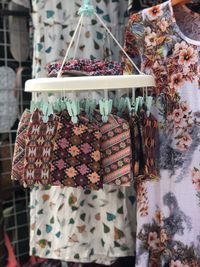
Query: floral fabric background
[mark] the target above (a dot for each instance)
(82, 225)
(54, 24)
(168, 231)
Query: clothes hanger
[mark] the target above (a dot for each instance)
(92, 83)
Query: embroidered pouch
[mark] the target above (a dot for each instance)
(76, 151)
(116, 151)
(39, 148)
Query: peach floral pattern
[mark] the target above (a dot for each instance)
(179, 126)
(96, 155)
(154, 12)
(71, 172)
(74, 151)
(94, 177)
(78, 130)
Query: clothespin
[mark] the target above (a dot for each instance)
(57, 106)
(86, 9)
(149, 102)
(73, 107)
(137, 103)
(46, 107)
(35, 103)
(130, 105)
(128, 101)
(90, 105)
(105, 108)
(47, 111)
(33, 106)
(121, 106)
(83, 104)
(63, 104)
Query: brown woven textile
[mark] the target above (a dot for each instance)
(19, 150)
(77, 155)
(39, 148)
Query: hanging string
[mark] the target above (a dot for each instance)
(70, 45)
(133, 95)
(105, 94)
(73, 94)
(80, 23)
(119, 45)
(78, 39)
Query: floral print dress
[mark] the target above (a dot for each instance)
(54, 23)
(168, 229)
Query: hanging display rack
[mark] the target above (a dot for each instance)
(92, 83)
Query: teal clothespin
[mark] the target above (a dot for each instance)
(116, 102)
(47, 110)
(121, 106)
(57, 106)
(63, 103)
(83, 104)
(73, 107)
(86, 9)
(149, 102)
(141, 101)
(44, 108)
(105, 108)
(130, 105)
(128, 102)
(137, 103)
(33, 106)
(90, 106)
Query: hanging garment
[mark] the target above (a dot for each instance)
(82, 226)
(144, 135)
(149, 135)
(54, 24)
(168, 232)
(17, 172)
(76, 154)
(18, 33)
(39, 148)
(116, 151)
(137, 149)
